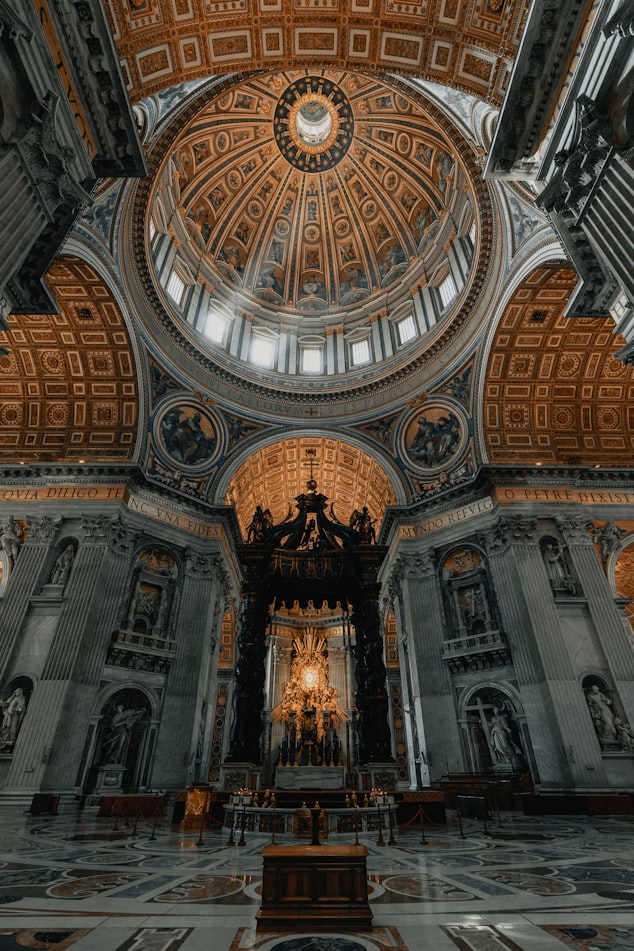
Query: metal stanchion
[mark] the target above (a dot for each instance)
(357, 817)
(391, 840)
(380, 840)
(242, 840)
(459, 817)
(200, 834)
(231, 840)
(273, 829)
(153, 836)
(423, 840)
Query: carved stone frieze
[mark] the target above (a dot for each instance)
(49, 160)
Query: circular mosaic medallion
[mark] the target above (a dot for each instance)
(435, 436)
(318, 943)
(313, 124)
(186, 434)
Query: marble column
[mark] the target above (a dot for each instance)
(22, 584)
(432, 694)
(605, 612)
(45, 734)
(561, 732)
(189, 673)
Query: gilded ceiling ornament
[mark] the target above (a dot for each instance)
(313, 124)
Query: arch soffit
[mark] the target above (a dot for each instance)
(503, 687)
(552, 390)
(72, 376)
(276, 472)
(110, 690)
(164, 45)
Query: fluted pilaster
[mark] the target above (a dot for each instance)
(556, 712)
(605, 613)
(45, 737)
(175, 749)
(25, 575)
(431, 701)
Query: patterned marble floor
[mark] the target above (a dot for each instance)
(527, 884)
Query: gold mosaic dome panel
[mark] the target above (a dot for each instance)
(313, 195)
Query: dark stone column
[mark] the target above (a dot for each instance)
(248, 698)
(375, 744)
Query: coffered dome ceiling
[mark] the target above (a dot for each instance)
(313, 194)
(315, 203)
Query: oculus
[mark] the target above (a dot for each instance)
(313, 124)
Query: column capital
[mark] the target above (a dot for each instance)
(574, 528)
(420, 565)
(96, 529)
(122, 538)
(198, 564)
(42, 531)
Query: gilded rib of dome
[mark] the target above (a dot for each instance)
(314, 193)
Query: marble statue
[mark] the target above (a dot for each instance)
(12, 712)
(600, 708)
(60, 572)
(10, 538)
(118, 732)
(502, 744)
(624, 734)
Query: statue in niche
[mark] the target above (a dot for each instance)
(473, 606)
(12, 714)
(185, 439)
(624, 734)
(10, 538)
(161, 614)
(600, 707)
(144, 602)
(60, 572)
(502, 745)
(558, 573)
(118, 732)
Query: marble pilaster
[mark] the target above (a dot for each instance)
(22, 584)
(45, 737)
(432, 698)
(561, 732)
(176, 742)
(604, 611)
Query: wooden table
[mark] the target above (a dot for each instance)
(321, 887)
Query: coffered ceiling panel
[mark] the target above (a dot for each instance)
(554, 392)
(469, 44)
(68, 385)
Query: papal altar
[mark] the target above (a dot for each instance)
(310, 777)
